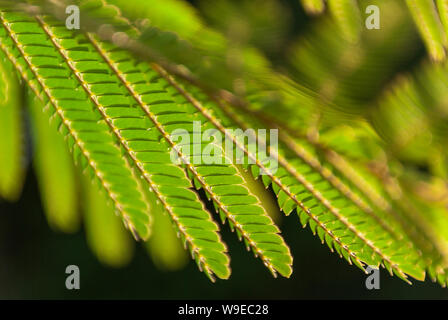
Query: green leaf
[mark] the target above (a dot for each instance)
(127, 127)
(92, 146)
(207, 176)
(358, 234)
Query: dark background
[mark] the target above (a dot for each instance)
(33, 259)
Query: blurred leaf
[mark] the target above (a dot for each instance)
(260, 23)
(54, 169)
(105, 233)
(347, 16)
(348, 76)
(164, 246)
(12, 142)
(442, 8)
(313, 6)
(425, 16)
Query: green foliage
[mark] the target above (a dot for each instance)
(351, 141)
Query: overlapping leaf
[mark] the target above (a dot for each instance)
(221, 181)
(340, 219)
(27, 45)
(147, 152)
